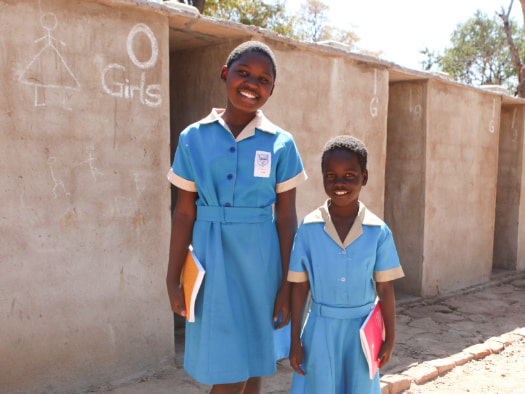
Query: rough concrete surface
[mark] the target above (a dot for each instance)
(432, 335)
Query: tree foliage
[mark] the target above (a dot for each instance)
(313, 18)
(479, 54)
(514, 48)
(253, 12)
(311, 24)
(314, 25)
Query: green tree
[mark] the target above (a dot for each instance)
(314, 25)
(479, 54)
(254, 12)
(515, 46)
(310, 25)
(431, 60)
(314, 19)
(347, 37)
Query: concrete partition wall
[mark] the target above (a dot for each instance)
(84, 222)
(508, 218)
(441, 175)
(461, 169)
(405, 178)
(320, 94)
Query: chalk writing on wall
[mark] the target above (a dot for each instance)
(375, 100)
(139, 184)
(48, 69)
(115, 80)
(90, 161)
(513, 126)
(492, 123)
(58, 183)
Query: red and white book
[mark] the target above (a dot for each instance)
(372, 334)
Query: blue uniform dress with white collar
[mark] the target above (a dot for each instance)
(341, 276)
(235, 238)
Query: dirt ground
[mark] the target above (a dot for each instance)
(501, 373)
(426, 330)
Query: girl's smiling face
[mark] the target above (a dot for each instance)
(249, 82)
(343, 178)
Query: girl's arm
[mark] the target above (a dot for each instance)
(181, 233)
(385, 291)
(299, 294)
(286, 223)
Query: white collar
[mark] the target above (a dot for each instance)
(259, 122)
(364, 218)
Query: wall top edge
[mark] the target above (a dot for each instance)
(184, 18)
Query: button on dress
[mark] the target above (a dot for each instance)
(235, 238)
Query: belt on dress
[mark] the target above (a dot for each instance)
(234, 214)
(336, 312)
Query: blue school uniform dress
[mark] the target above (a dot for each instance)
(235, 238)
(341, 276)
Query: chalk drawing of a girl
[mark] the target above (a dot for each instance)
(48, 69)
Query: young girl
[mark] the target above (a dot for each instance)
(230, 168)
(340, 250)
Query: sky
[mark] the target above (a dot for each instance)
(402, 28)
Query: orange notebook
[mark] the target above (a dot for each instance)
(372, 334)
(192, 276)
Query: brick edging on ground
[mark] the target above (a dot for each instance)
(428, 370)
(420, 373)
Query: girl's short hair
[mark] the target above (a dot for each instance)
(252, 46)
(347, 143)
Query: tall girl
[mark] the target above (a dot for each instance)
(230, 169)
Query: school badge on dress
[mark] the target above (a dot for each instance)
(263, 164)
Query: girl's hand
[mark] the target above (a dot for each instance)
(385, 354)
(296, 357)
(181, 232)
(286, 225)
(176, 295)
(282, 305)
(385, 290)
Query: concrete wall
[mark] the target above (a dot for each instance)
(405, 178)
(319, 95)
(460, 187)
(441, 177)
(84, 219)
(509, 188)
